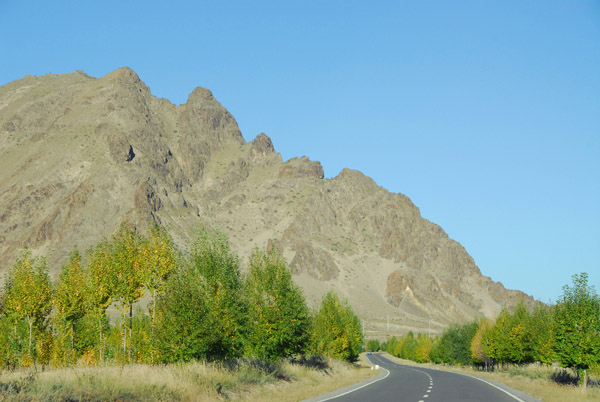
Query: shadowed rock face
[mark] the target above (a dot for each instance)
(79, 155)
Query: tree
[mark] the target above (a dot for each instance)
(477, 353)
(100, 288)
(496, 341)
(373, 345)
(577, 327)
(27, 296)
(202, 313)
(277, 312)
(520, 336)
(542, 328)
(423, 349)
(337, 330)
(160, 259)
(454, 346)
(70, 298)
(126, 270)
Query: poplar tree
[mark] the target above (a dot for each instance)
(577, 327)
(202, 313)
(126, 271)
(337, 330)
(277, 312)
(520, 336)
(477, 354)
(100, 288)
(70, 298)
(542, 327)
(27, 296)
(160, 259)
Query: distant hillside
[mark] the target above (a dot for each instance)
(79, 155)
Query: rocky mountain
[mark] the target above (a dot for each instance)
(79, 155)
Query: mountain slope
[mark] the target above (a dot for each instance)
(79, 155)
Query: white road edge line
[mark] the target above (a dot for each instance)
(468, 375)
(362, 386)
(495, 386)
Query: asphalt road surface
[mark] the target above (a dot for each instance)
(418, 384)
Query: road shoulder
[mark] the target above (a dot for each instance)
(351, 388)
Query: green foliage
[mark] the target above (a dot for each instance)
(69, 301)
(454, 346)
(577, 325)
(160, 258)
(27, 298)
(100, 289)
(336, 330)
(202, 309)
(543, 337)
(202, 312)
(423, 350)
(373, 345)
(126, 271)
(477, 354)
(277, 313)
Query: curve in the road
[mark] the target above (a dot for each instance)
(419, 384)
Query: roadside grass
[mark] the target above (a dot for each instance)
(245, 380)
(539, 381)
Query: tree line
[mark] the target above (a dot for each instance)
(567, 333)
(199, 306)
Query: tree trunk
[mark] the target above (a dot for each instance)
(101, 339)
(30, 333)
(584, 380)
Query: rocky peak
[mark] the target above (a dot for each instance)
(297, 168)
(200, 94)
(261, 147)
(127, 79)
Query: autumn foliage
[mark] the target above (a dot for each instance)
(137, 298)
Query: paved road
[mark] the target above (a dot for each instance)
(417, 384)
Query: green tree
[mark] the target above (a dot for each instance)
(373, 345)
(160, 258)
(577, 327)
(454, 346)
(277, 312)
(69, 301)
(423, 350)
(477, 353)
(126, 270)
(27, 296)
(520, 345)
(202, 313)
(496, 341)
(542, 328)
(408, 346)
(100, 289)
(336, 330)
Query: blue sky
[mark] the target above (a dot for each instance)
(485, 113)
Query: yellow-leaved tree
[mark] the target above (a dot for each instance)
(70, 305)
(28, 297)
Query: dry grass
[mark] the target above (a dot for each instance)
(534, 380)
(182, 382)
(310, 383)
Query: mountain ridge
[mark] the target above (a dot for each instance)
(78, 155)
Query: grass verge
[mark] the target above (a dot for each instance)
(198, 381)
(541, 382)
